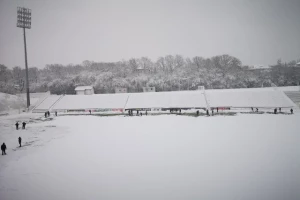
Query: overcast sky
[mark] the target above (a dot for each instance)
(71, 31)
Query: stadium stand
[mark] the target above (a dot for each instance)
(181, 99)
(47, 103)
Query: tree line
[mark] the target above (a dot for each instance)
(169, 73)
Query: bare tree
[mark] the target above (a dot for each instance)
(4, 74)
(226, 64)
(134, 65)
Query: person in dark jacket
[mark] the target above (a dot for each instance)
(20, 140)
(56, 113)
(146, 112)
(252, 109)
(207, 112)
(90, 112)
(197, 112)
(3, 148)
(17, 125)
(292, 110)
(217, 109)
(24, 124)
(48, 113)
(279, 109)
(256, 109)
(275, 111)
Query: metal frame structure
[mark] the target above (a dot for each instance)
(24, 21)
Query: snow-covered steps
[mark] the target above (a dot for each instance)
(248, 98)
(294, 96)
(239, 98)
(38, 99)
(96, 103)
(182, 99)
(47, 103)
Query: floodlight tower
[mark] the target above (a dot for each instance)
(24, 21)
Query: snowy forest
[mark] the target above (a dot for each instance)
(169, 73)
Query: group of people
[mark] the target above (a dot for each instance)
(275, 110)
(138, 113)
(253, 109)
(175, 110)
(23, 125)
(207, 111)
(3, 146)
(47, 114)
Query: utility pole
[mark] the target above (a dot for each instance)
(24, 21)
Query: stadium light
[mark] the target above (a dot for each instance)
(24, 21)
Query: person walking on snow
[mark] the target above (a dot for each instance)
(291, 110)
(45, 114)
(20, 140)
(3, 148)
(17, 125)
(24, 124)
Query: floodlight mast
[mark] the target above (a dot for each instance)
(24, 21)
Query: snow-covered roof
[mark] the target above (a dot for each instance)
(83, 88)
(48, 102)
(239, 98)
(70, 102)
(181, 99)
(254, 67)
(242, 98)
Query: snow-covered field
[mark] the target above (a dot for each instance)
(243, 157)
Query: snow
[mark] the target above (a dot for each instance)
(33, 101)
(152, 157)
(8, 102)
(183, 99)
(285, 88)
(289, 88)
(264, 97)
(83, 88)
(97, 101)
(48, 102)
(244, 98)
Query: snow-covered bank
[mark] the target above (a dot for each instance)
(10, 102)
(153, 157)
